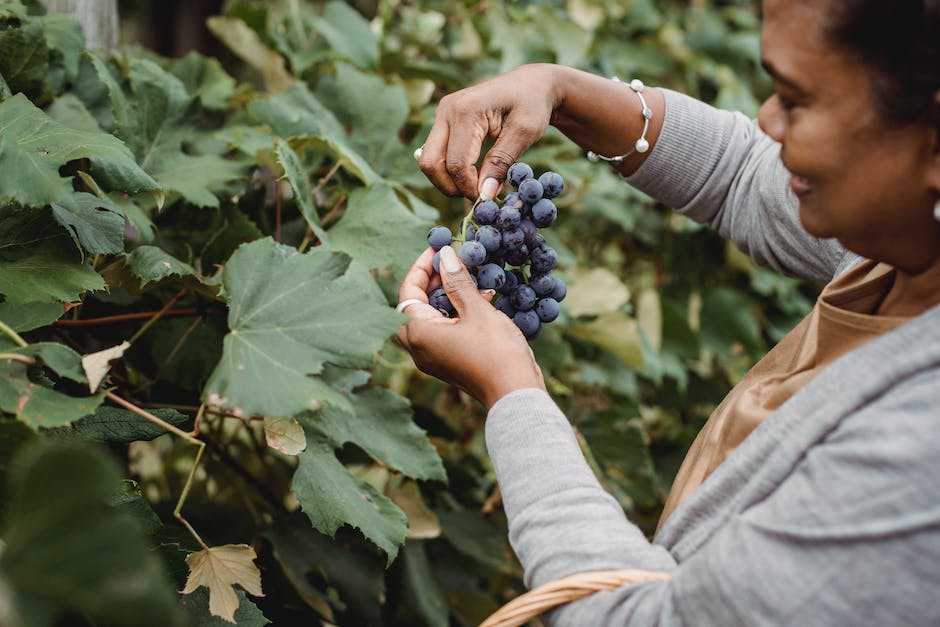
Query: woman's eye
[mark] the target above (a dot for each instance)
(786, 104)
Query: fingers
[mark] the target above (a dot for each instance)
(460, 288)
(518, 133)
(432, 161)
(418, 282)
(469, 127)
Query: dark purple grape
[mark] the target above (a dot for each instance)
(491, 277)
(439, 237)
(519, 172)
(544, 213)
(472, 254)
(523, 297)
(439, 300)
(511, 280)
(547, 309)
(469, 232)
(552, 184)
(537, 240)
(508, 218)
(543, 284)
(436, 262)
(528, 229)
(505, 306)
(518, 256)
(560, 290)
(513, 200)
(529, 323)
(490, 237)
(530, 190)
(485, 212)
(513, 239)
(544, 259)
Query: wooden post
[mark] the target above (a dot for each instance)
(99, 19)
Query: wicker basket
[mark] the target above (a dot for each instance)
(571, 588)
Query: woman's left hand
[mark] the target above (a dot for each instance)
(481, 351)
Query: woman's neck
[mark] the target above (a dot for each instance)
(912, 294)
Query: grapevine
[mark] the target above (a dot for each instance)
(501, 245)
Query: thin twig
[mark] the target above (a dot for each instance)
(13, 335)
(23, 359)
(179, 295)
(326, 178)
(333, 210)
(179, 344)
(277, 211)
(186, 312)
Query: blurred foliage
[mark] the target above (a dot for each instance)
(326, 449)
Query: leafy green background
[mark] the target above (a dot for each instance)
(244, 222)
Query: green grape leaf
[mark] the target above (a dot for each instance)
(69, 110)
(38, 261)
(60, 358)
(196, 606)
(155, 124)
(331, 497)
(379, 230)
(37, 405)
(424, 600)
(350, 566)
(68, 551)
(24, 57)
(381, 425)
(97, 224)
(205, 79)
(297, 114)
(149, 263)
(29, 316)
(249, 47)
(117, 425)
(33, 147)
(295, 175)
(348, 34)
(289, 315)
(64, 36)
(373, 111)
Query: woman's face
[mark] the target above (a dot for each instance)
(858, 178)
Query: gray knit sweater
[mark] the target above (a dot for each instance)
(827, 514)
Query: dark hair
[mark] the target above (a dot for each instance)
(900, 41)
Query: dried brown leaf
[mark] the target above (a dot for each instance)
(219, 569)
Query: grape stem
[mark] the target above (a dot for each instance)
(183, 292)
(189, 437)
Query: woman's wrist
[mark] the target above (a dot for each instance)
(606, 116)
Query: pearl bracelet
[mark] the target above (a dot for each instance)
(641, 144)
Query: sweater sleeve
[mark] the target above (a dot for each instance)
(850, 536)
(719, 168)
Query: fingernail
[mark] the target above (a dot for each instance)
(489, 189)
(487, 293)
(449, 260)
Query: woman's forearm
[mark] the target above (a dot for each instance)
(604, 115)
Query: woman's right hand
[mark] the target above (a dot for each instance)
(514, 109)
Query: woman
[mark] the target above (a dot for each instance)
(828, 512)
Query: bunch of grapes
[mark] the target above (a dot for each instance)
(501, 245)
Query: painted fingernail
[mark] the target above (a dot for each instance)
(489, 189)
(449, 260)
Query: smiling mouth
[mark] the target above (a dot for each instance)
(800, 186)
